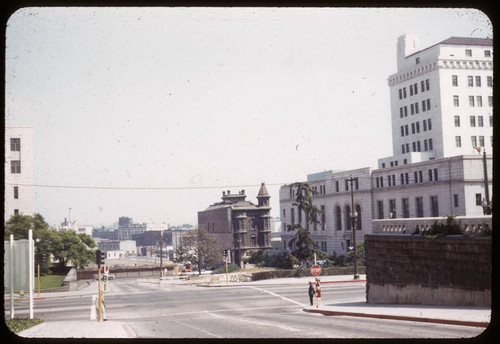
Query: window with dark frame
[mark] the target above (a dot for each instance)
(15, 144)
(15, 166)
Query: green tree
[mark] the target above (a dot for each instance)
(198, 247)
(64, 246)
(69, 247)
(303, 246)
(360, 248)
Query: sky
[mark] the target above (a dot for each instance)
(151, 113)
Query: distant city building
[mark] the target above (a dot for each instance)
(441, 99)
(74, 226)
(441, 105)
(239, 225)
(176, 233)
(19, 193)
(104, 233)
(148, 243)
(116, 249)
(127, 228)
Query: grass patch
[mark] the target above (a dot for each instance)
(50, 281)
(222, 269)
(20, 324)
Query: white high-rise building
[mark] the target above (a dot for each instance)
(441, 99)
(19, 192)
(442, 112)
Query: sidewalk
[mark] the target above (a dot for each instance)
(452, 315)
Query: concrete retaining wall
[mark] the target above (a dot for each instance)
(452, 270)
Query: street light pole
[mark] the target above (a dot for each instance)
(354, 219)
(486, 204)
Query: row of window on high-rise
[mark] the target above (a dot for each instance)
(468, 53)
(415, 127)
(476, 141)
(473, 80)
(418, 146)
(414, 108)
(474, 101)
(413, 89)
(473, 122)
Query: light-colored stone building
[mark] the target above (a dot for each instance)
(441, 110)
(429, 189)
(333, 233)
(19, 192)
(441, 99)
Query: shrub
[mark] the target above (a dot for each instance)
(256, 276)
(450, 227)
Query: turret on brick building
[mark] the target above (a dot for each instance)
(238, 224)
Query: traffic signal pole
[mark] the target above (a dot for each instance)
(38, 280)
(100, 293)
(100, 257)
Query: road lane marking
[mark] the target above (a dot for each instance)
(93, 315)
(199, 329)
(259, 323)
(168, 314)
(280, 296)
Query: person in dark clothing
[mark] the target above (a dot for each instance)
(311, 292)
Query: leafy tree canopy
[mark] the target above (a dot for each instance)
(303, 246)
(198, 247)
(64, 246)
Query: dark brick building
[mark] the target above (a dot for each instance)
(239, 225)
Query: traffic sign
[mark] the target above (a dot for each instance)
(315, 270)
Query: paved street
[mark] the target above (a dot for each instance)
(253, 310)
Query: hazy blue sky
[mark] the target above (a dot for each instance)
(191, 102)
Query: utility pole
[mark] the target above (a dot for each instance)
(161, 253)
(354, 219)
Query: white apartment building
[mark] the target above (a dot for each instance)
(441, 99)
(435, 170)
(19, 193)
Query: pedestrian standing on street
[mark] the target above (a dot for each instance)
(311, 292)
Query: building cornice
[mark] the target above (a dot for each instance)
(463, 64)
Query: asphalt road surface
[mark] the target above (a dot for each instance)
(251, 311)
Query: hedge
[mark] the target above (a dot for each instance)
(262, 275)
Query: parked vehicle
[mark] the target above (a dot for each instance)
(188, 267)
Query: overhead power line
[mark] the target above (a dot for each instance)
(139, 188)
(161, 187)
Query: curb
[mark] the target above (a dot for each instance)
(348, 281)
(400, 317)
(257, 283)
